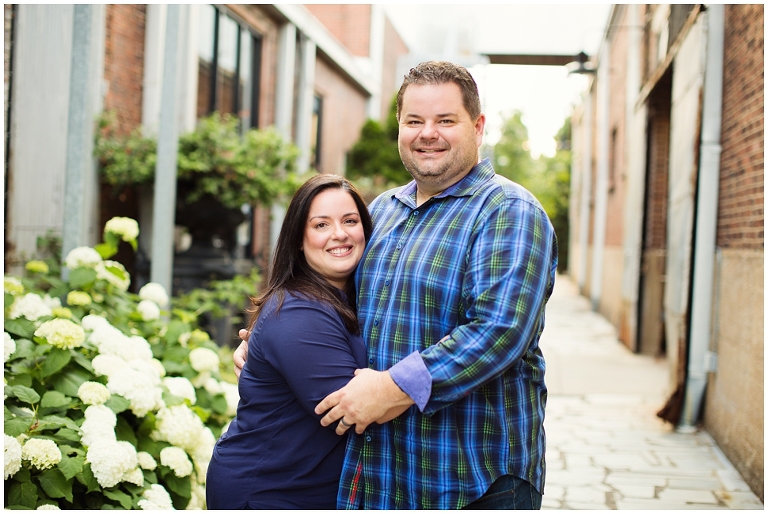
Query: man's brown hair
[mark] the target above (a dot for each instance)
(443, 72)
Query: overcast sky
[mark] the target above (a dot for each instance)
(545, 94)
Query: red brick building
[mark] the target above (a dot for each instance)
(315, 72)
(668, 209)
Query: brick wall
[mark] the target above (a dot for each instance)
(349, 23)
(344, 108)
(657, 180)
(8, 12)
(614, 228)
(124, 62)
(394, 47)
(741, 216)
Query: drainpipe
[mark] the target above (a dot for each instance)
(601, 184)
(586, 192)
(286, 71)
(699, 357)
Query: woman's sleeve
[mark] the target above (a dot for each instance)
(309, 345)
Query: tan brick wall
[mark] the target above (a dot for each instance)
(394, 47)
(349, 23)
(734, 408)
(614, 227)
(344, 112)
(741, 215)
(124, 62)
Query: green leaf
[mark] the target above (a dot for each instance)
(81, 277)
(71, 451)
(83, 361)
(56, 360)
(87, 478)
(124, 431)
(105, 250)
(171, 400)
(55, 485)
(70, 381)
(23, 494)
(25, 394)
(25, 380)
(119, 496)
(54, 399)
(21, 327)
(180, 486)
(65, 434)
(58, 421)
(219, 404)
(71, 466)
(16, 426)
(118, 404)
(24, 348)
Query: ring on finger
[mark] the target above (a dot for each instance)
(344, 423)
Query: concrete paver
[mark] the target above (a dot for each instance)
(606, 448)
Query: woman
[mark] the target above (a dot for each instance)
(304, 344)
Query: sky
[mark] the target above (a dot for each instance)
(544, 94)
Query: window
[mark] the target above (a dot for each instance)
(228, 67)
(317, 119)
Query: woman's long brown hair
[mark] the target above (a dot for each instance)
(290, 270)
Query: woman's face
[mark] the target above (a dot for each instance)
(334, 239)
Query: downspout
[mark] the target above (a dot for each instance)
(706, 222)
(601, 184)
(586, 192)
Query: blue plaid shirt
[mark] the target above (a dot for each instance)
(475, 263)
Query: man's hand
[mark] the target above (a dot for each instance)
(241, 354)
(371, 396)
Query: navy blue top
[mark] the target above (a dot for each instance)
(275, 454)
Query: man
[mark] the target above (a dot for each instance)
(451, 296)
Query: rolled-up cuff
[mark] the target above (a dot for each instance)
(411, 375)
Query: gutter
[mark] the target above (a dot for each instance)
(327, 45)
(699, 357)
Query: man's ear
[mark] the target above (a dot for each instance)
(480, 129)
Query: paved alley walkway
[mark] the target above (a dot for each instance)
(606, 449)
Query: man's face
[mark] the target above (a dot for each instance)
(438, 140)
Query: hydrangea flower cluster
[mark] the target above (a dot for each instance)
(78, 298)
(9, 346)
(41, 453)
(31, 307)
(82, 257)
(90, 384)
(154, 292)
(126, 228)
(11, 455)
(61, 333)
(114, 273)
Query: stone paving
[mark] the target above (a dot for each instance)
(606, 448)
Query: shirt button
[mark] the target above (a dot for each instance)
(399, 246)
(368, 438)
(376, 323)
(386, 282)
(415, 213)
(370, 360)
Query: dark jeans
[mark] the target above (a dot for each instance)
(508, 493)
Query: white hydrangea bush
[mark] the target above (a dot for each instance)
(113, 400)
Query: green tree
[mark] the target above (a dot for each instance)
(548, 178)
(375, 155)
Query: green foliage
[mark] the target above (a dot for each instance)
(256, 168)
(548, 178)
(375, 155)
(220, 297)
(44, 372)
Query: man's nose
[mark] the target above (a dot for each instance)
(428, 131)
